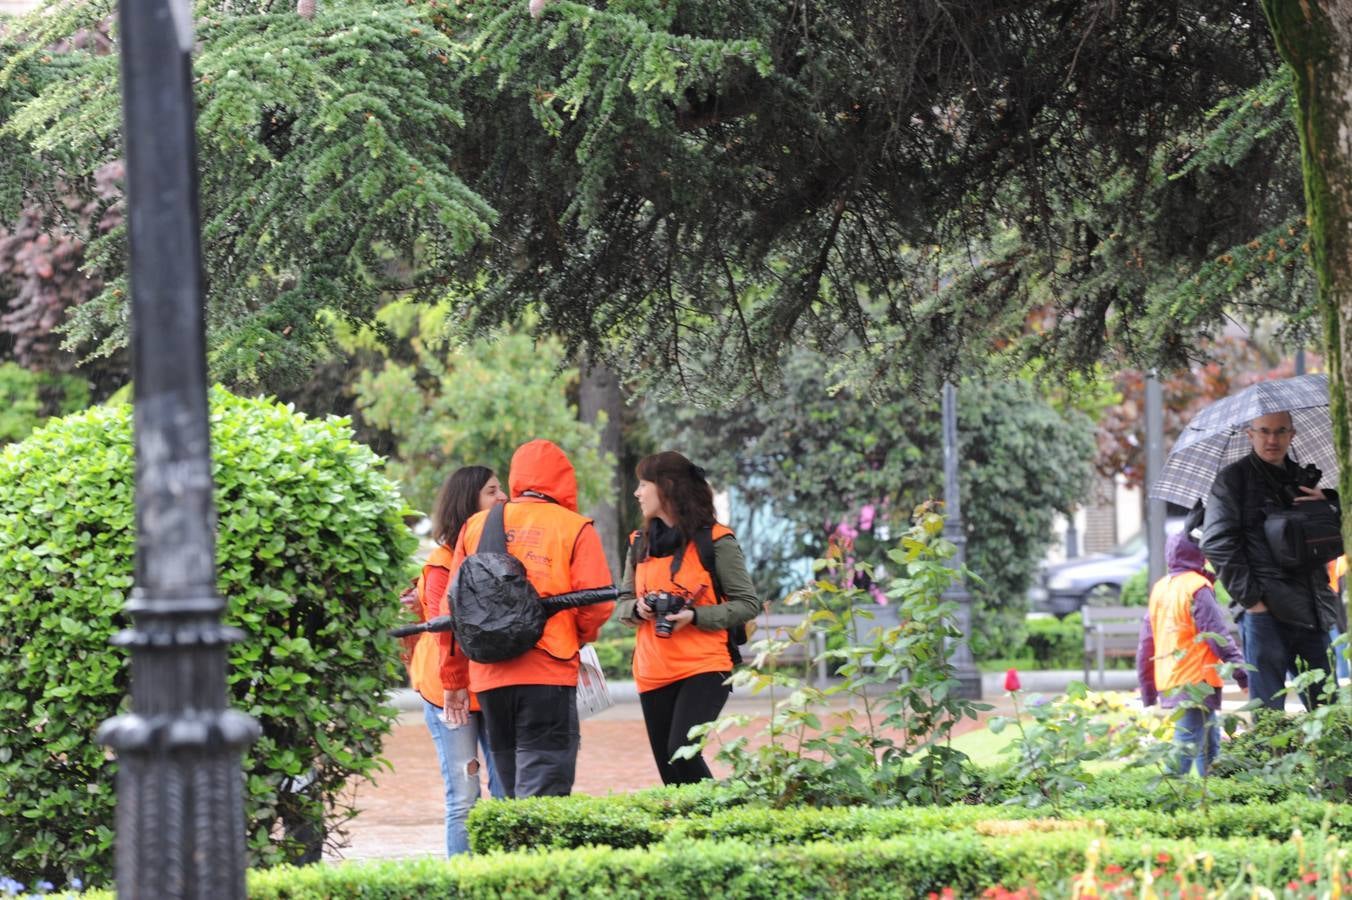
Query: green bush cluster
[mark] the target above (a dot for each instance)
(1122, 805)
(1056, 643)
(311, 546)
(912, 865)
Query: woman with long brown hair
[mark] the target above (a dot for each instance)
(685, 590)
(457, 737)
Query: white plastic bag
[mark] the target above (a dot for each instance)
(593, 694)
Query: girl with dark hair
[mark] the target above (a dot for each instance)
(455, 735)
(685, 588)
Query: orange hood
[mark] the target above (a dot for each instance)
(540, 466)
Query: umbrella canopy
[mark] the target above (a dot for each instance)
(1216, 436)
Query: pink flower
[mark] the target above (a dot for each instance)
(866, 517)
(1012, 680)
(537, 7)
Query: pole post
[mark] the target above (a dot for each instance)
(180, 809)
(1154, 468)
(964, 665)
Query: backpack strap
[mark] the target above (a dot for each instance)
(494, 536)
(704, 546)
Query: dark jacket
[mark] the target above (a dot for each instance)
(1185, 556)
(1233, 539)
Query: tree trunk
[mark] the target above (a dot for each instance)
(1315, 39)
(599, 394)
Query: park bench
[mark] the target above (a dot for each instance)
(801, 650)
(1110, 632)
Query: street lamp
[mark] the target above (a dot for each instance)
(180, 809)
(963, 665)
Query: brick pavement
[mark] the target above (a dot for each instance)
(401, 814)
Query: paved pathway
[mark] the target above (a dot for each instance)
(401, 814)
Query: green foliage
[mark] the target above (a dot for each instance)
(27, 398)
(844, 464)
(548, 824)
(449, 406)
(890, 745)
(1056, 643)
(310, 549)
(709, 183)
(1310, 752)
(905, 866)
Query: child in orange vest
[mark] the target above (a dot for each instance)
(1170, 655)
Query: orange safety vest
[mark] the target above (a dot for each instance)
(659, 662)
(1337, 568)
(542, 536)
(1179, 658)
(424, 674)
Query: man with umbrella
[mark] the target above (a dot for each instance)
(1286, 610)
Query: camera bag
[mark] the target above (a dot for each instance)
(496, 613)
(1306, 535)
(1301, 535)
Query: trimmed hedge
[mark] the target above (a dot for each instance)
(553, 825)
(310, 551)
(647, 817)
(907, 866)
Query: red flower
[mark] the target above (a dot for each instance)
(1012, 680)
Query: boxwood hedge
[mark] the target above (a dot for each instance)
(310, 549)
(905, 866)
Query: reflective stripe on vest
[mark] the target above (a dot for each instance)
(1180, 659)
(542, 535)
(690, 651)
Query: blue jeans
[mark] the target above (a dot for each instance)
(1274, 648)
(1197, 734)
(456, 752)
(1340, 666)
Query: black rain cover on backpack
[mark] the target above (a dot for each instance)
(495, 610)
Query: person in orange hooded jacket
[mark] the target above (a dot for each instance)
(529, 703)
(466, 491)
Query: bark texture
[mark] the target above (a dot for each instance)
(1315, 39)
(599, 395)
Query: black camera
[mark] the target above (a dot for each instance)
(1307, 476)
(663, 605)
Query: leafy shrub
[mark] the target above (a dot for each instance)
(905, 866)
(616, 653)
(1056, 643)
(641, 820)
(311, 546)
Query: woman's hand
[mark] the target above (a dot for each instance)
(409, 598)
(681, 619)
(455, 707)
(643, 610)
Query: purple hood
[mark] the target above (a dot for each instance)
(1182, 554)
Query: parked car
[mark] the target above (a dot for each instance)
(1096, 579)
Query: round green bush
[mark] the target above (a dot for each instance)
(311, 548)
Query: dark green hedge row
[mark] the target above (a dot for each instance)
(647, 817)
(906, 866)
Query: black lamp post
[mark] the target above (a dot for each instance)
(964, 666)
(180, 810)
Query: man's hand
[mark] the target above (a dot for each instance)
(455, 707)
(1259, 607)
(1309, 494)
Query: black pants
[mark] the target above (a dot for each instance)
(670, 712)
(533, 736)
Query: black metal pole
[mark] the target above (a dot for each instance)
(180, 810)
(1154, 466)
(964, 666)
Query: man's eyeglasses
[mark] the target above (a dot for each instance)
(1278, 433)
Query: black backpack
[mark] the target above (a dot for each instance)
(496, 613)
(704, 546)
(1303, 535)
